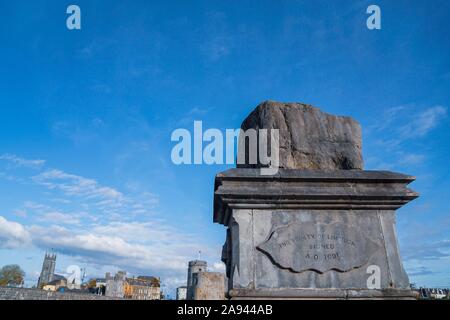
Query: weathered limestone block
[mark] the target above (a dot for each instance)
(309, 138)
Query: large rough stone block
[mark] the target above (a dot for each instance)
(309, 138)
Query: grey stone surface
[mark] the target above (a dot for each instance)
(182, 293)
(48, 270)
(309, 138)
(268, 218)
(323, 294)
(209, 286)
(318, 247)
(194, 267)
(310, 189)
(36, 294)
(115, 285)
(320, 226)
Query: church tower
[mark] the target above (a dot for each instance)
(48, 269)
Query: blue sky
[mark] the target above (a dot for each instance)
(86, 118)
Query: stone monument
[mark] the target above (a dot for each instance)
(321, 227)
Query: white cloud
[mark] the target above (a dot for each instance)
(86, 192)
(427, 250)
(411, 159)
(12, 234)
(388, 117)
(74, 185)
(403, 123)
(21, 162)
(153, 231)
(96, 225)
(95, 198)
(423, 123)
(146, 248)
(51, 215)
(20, 213)
(399, 127)
(59, 217)
(218, 267)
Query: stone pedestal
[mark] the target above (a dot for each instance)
(312, 234)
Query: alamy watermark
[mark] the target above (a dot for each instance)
(374, 20)
(374, 280)
(74, 275)
(253, 147)
(73, 22)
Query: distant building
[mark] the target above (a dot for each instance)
(150, 279)
(438, 293)
(115, 285)
(48, 270)
(433, 293)
(142, 288)
(182, 293)
(195, 266)
(100, 286)
(57, 283)
(208, 286)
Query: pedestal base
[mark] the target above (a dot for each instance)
(312, 234)
(322, 294)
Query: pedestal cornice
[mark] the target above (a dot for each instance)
(310, 189)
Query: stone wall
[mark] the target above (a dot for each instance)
(209, 286)
(36, 294)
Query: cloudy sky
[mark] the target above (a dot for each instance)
(86, 118)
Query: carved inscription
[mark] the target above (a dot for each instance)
(318, 246)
